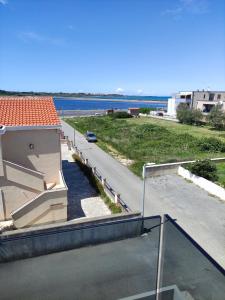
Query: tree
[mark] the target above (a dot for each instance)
(188, 116)
(183, 113)
(197, 116)
(216, 117)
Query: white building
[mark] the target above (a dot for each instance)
(181, 97)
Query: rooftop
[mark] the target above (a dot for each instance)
(28, 111)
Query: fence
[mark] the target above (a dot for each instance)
(115, 196)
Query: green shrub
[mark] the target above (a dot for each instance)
(197, 116)
(146, 110)
(97, 185)
(120, 115)
(216, 117)
(189, 116)
(211, 145)
(204, 168)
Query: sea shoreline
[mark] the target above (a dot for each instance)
(111, 100)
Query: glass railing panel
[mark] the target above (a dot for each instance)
(187, 268)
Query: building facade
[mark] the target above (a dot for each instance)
(206, 100)
(173, 102)
(202, 100)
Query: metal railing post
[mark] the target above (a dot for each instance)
(143, 194)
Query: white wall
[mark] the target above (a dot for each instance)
(13, 196)
(172, 105)
(45, 157)
(205, 184)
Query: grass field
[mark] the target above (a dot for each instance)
(150, 140)
(221, 173)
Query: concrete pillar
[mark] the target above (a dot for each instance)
(103, 181)
(117, 196)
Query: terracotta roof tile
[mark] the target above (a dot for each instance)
(28, 111)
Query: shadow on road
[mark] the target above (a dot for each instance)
(78, 189)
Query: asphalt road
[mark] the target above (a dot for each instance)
(201, 215)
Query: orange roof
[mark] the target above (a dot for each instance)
(28, 111)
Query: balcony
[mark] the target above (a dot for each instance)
(112, 260)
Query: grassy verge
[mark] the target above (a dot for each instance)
(97, 185)
(221, 173)
(149, 140)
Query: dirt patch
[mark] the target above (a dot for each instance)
(122, 159)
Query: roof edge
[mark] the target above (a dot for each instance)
(37, 127)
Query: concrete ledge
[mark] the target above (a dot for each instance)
(68, 224)
(171, 168)
(205, 184)
(47, 239)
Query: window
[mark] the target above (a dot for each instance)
(218, 96)
(204, 96)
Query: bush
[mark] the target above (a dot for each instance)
(216, 117)
(197, 116)
(189, 116)
(120, 115)
(204, 168)
(146, 110)
(211, 145)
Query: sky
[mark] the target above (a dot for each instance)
(133, 47)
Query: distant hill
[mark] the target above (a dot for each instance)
(60, 94)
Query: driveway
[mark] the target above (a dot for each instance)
(201, 215)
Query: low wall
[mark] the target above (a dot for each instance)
(205, 184)
(170, 168)
(23, 176)
(49, 206)
(161, 169)
(24, 243)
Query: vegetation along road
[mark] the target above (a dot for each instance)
(144, 140)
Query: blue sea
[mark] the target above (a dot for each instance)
(108, 102)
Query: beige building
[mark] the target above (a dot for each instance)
(206, 100)
(32, 187)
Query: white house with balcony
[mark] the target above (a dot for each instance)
(173, 102)
(32, 188)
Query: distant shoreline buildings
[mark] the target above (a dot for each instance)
(202, 100)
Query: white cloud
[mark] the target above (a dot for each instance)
(30, 36)
(188, 6)
(3, 2)
(119, 90)
(140, 91)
